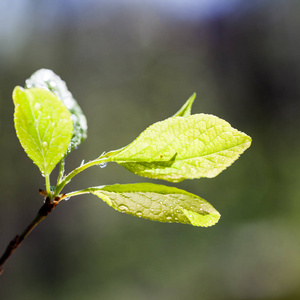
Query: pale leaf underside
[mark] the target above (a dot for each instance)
(48, 80)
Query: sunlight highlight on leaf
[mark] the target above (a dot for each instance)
(181, 148)
(43, 125)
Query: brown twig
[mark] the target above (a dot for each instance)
(48, 206)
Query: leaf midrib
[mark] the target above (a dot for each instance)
(30, 101)
(183, 159)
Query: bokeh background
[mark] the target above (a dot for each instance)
(130, 64)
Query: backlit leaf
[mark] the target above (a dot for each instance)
(186, 109)
(43, 125)
(158, 203)
(48, 80)
(181, 148)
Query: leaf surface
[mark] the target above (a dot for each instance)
(43, 125)
(47, 79)
(158, 203)
(181, 148)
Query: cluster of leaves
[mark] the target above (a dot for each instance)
(50, 124)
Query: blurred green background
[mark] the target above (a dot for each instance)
(130, 64)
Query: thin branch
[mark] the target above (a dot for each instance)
(76, 171)
(17, 240)
(47, 179)
(61, 171)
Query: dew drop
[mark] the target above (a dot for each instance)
(102, 165)
(123, 208)
(67, 198)
(52, 83)
(37, 106)
(82, 163)
(45, 144)
(139, 214)
(169, 218)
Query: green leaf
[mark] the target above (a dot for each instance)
(158, 203)
(43, 125)
(180, 148)
(47, 79)
(186, 109)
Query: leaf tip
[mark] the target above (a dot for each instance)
(191, 100)
(248, 141)
(18, 90)
(186, 109)
(204, 219)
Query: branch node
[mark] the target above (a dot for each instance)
(43, 193)
(48, 206)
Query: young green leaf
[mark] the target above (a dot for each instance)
(158, 203)
(43, 125)
(180, 148)
(47, 79)
(186, 109)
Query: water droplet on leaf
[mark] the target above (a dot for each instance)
(52, 83)
(123, 208)
(102, 165)
(37, 106)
